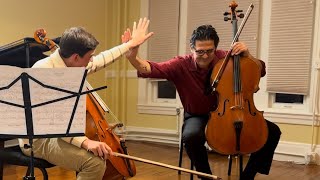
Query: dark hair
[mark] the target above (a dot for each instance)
(202, 33)
(76, 40)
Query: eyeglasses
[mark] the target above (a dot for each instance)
(202, 52)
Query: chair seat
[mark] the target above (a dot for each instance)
(13, 155)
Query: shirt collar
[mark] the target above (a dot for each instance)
(57, 60)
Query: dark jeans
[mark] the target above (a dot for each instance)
(193, 136)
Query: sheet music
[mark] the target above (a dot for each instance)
(47, 119)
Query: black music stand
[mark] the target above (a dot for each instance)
(25, 77)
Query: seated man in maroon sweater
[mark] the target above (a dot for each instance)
(190, 74)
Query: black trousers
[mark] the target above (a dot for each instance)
(193, 136)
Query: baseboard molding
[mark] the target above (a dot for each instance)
(152, 135)
(297, 152)
(286, 151)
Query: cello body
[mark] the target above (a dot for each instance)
(221, 132)
(236, 126)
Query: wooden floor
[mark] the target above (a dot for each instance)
(169, 154)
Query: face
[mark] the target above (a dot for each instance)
(203, 53)
(83, 61)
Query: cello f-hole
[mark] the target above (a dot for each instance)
(249, 107)
(224, 108)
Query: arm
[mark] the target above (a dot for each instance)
(140, 64)
(97, 148)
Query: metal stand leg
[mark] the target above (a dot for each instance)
(230, 165)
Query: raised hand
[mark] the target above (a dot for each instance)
(133, 52)
(139, 33)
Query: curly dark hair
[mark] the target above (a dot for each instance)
(202, 33)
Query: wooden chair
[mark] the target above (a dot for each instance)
(230, 157)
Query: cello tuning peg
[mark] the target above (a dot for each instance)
(241, 15)
(239, 11)
(226, 13)
(226, 19)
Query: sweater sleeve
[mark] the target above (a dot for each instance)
(107, 57)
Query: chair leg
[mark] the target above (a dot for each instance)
(180, 155)
(191, 175)
(1, 170)
(230, 165)
(1, 163)
(240, 166)
(43, 170)
(44, 173)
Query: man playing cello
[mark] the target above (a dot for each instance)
(190, 75)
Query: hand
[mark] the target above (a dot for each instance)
(133, 52)
(100, 149)
(240, 47)
(139, 31)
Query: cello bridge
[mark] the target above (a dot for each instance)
(237, 107)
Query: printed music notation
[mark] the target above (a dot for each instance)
(51, 118)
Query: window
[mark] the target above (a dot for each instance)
(289, 98)
(290, 47)
(290, 56)
(166, 90)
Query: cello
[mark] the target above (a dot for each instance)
(97, 127)
(236, 127)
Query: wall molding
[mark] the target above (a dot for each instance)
(157, 109)
(296, 152)
(292, 118)
(152, 135)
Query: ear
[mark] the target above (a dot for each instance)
(191, 49)
(74, 57)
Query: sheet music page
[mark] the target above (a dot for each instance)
(50, 118)
(12, 119)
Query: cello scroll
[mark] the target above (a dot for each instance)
(40, 37)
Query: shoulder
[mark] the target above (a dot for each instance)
(43, 63)
(53, 61)
(183, 62)
(181, 59)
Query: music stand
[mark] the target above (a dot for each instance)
(27, 106)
